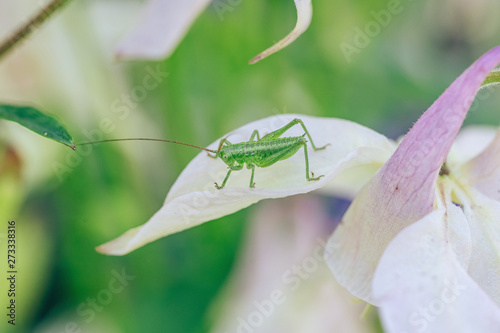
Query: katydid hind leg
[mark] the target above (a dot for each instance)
(307, 167)
(280, 131)
(309, 135)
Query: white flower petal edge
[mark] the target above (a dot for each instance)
(304, 16)
(482, 213)
(470, 141)
(421, 285)
(478, 190)
(193, 198)
(161, 28)
(483, 171)
(357, 171)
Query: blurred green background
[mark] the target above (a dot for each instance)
(67, 68)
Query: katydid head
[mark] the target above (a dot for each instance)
(224, 155)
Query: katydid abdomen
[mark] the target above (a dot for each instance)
(263, 153)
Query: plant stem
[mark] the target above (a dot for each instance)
(31, 25)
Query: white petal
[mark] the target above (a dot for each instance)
(483, 214)
(193, 198)
(161, 28)
(357, 170)
(483, 171)
(304, 16)
(421, 286)
(469, 143)
(355, 247)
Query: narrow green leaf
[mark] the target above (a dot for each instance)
(492, 78)
(38, 122)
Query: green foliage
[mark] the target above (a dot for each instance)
(210, 90)
(38, 122)
(493, 78)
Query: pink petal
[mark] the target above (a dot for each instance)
(403, 190)
(416, 163)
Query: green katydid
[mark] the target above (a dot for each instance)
(261, 153)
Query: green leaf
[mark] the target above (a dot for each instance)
(492, 78)
(38, 122)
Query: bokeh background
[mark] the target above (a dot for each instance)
(66, 203)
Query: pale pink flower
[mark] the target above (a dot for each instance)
(425, 246)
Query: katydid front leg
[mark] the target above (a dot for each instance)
(224, 181)
(231, 168)
(221, 143)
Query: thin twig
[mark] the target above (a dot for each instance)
(31, 25)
